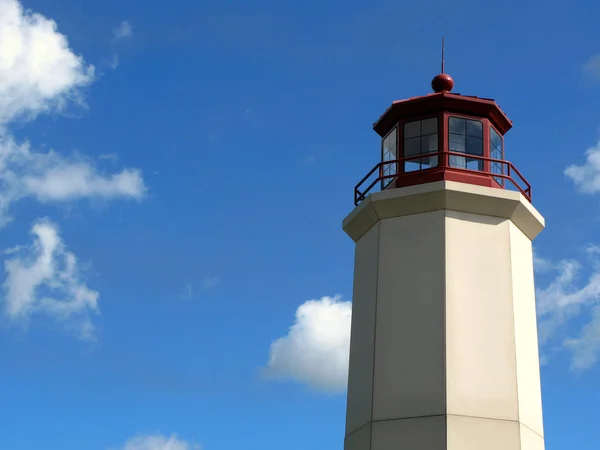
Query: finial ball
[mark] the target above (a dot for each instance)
(442, 83)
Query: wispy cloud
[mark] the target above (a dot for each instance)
(591, 68)
(207, 283)
(210, 283)
(316, 349)
(49, 177)
(43, 278)
(158, 442)
(587, 175)
(111, 157)
(188, 292)
(566, 300)
(123, 31)
(113, 63)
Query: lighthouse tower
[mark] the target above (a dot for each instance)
(444, 348)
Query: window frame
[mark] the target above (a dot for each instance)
(501, 181)
(386, 182)
(481, 163)
(433, 154)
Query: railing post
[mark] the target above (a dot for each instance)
(442, 156)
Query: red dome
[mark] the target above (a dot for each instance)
(442, 83)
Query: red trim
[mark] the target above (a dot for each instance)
(448, 174)
(435, 104)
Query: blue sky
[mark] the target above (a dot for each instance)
(172, 183)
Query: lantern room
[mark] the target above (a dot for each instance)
(443, 136)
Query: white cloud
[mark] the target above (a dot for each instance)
(567, 297)
(124, 30)
(158, 442)
(49, 177)
(587, 176)
(316, 349)
(540, 264)
(40, 73)
(586, 347)
(38, 70)
(43, 278)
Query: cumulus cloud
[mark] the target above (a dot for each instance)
(565, 300)
(587, 175)
(123, 31)
(43, 278)
(158, 442)
(40, 73)
(316, 349)
(49, 177)
(38, 70)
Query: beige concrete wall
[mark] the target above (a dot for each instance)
(362, 341)
(526, 339)
(474, 433)
(444, 351)
(480, 344)
(423, 433)
(409, 347)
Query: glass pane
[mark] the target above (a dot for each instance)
(429, 126)
(389, 146)
(412, 146)
(458, 161)
(429, 143)
(432, 161)
(390, 139)
(389, 154)
(475, 164)
(412, 129)
(457, 125)
(474, 128)
(474, 145)
(457, 143)
(496, 168)
(495, 138)
(411, 166)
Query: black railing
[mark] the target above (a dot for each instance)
(507, 172)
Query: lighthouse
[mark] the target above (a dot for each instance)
(444, 348)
